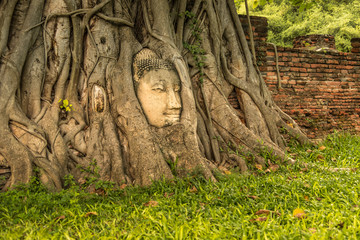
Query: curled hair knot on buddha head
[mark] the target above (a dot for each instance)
(146, 60)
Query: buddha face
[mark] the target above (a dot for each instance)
(159, 94)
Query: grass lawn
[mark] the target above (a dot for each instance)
(294, 202)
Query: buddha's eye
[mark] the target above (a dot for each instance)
(158, 88)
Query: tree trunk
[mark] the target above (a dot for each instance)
(131, 91)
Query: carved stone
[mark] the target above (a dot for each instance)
(98, 96)
(157, 87)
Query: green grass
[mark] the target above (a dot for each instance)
(221, 210)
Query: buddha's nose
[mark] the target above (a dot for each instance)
(174, 100)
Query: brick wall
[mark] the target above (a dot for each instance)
(320, 87)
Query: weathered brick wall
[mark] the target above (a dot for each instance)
(319, 89)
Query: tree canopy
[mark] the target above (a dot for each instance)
(291, 18)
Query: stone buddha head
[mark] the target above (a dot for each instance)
(157, 86)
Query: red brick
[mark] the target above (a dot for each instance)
(331, 61)
(294, 69)
(292, 82)
(349, 67)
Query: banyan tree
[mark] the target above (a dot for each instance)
(139, 86)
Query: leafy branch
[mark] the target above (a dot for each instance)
(65, 105)
(195, 48)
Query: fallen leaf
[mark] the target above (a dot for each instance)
(322, 148)
(60, 217)
(151, 203)
(306, 198)
(274, 167)
(319, 199)
(306, 185)
(277, 213)
(320, 157)
(123, 186)
(91, 214)
(304, 169)
(227, 172)
(201, 206)
(263, 211)
(167, 195)
(268, 171)
(312, 230)
(253, 197)
(309, 151)
(82, 181)
(290, 125)
(291, 178)
(260, 219)
(100, 191)
(259, 167)
(193, 189)
(299, 213)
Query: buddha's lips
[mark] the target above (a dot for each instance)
(172, 113)
(173, 117)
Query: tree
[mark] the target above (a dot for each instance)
(140, 87)
(288, 19)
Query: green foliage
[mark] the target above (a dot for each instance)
(195, 48)
(69, 181)
(291, 18)
(93, 178)
(173, 165)
(65, 105)
(193, 208)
